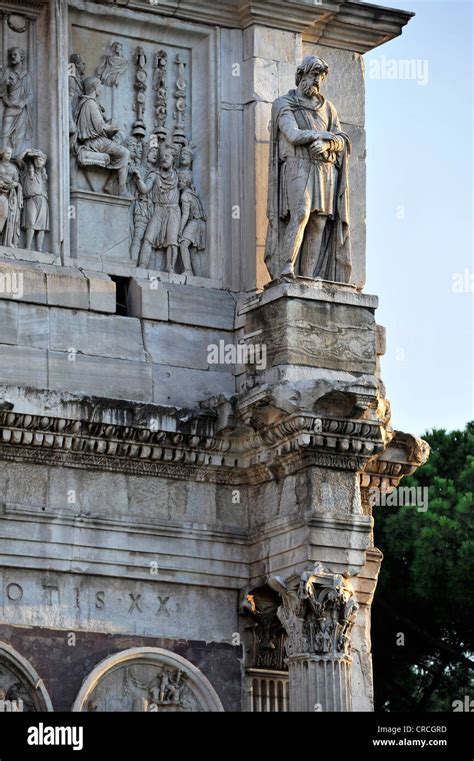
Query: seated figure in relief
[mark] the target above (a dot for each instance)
(95, 133)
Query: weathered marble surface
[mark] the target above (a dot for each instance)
(144, 487)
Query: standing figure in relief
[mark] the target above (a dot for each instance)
(17, 94)
(76, 71)
(192, 230)
(11, 200)
(308, 194)
(112, 65)
(35, 193)
(163, 228)
(143, 207)
(95, 132)
(135, 149)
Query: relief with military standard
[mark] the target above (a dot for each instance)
(132, 154)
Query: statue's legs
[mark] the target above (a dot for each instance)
(119, 159)
(29, 238)
(145, 254)
(138, 234)
(311, 247)
(122, 181)
(186, 257)
(3, 212)
(12, 134)
(294, 233)
(39, 240)
(171, 258)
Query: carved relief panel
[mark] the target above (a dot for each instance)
(139, 98)
(21, 689)
(18, 79)
(24, 204)
(148, 680)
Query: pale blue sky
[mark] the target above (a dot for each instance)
(419, 215)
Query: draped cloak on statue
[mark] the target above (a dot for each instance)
(326, 181)
(92, 132)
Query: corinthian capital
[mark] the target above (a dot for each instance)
(318, 612)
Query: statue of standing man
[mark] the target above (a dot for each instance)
(308, 195)
(17, 93)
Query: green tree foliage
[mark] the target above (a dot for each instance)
(424, 600)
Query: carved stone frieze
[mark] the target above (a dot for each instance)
(145, 157)
(281, 448)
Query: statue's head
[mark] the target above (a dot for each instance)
(92, 86)
(167, 155)
(116, 48)
(78, 62)
(309, 75)
(152, 156)
(135, 146)
(185, 178)
(34, 159)
(16, 56)
(5, 153)
(186, 157)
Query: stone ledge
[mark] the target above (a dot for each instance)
(28, 255)
(129, 269)
(312, 290)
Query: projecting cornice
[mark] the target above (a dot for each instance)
(355, 26)
(276, 450)
(384, 471)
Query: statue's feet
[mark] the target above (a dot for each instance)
(288, 273)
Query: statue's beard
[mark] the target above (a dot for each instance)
(311, 91)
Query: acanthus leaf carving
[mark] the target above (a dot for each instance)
(267, 645)
(318, 612)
